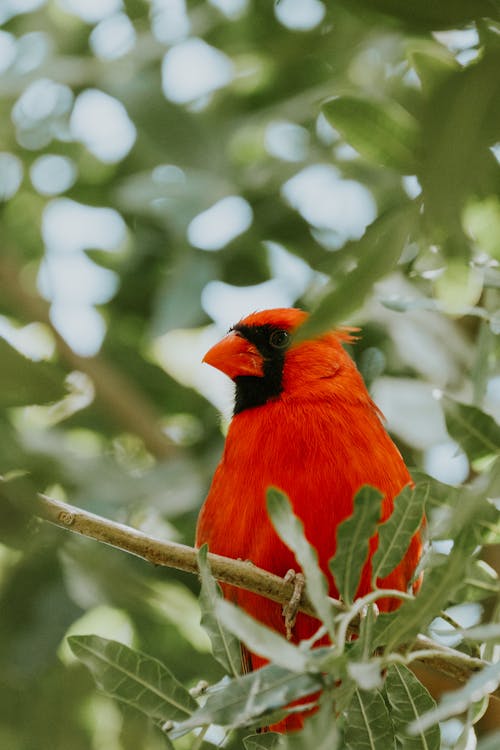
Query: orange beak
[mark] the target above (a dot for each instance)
(235, 356)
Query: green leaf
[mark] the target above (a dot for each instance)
(264, 741)
(24, 382)
(225, 647)
(383, 132)
(409, 699)
(375, 255)
(395, 534)
(134, 678)
(267, 643)
(368, 724)
(353, 537)
(246, 699)
(451, 704)
(291, 530)
(490, 631)
(438, 585)
(476, 432)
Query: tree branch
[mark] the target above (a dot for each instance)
(447, 661)
(127, 405)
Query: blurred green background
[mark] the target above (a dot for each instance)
(165, 168)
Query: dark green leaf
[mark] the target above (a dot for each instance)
(24, 382)
(353, 537)
(225, 646)
(368, 724)
(291, 530)
(395, 534)
(383, 132)
(409, 699)
(134, 678)
(476, 432)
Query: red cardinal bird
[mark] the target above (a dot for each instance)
(305, 423)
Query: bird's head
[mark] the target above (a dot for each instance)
(259, 354)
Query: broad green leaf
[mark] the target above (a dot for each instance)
(263, 741)
(382, 131)
(395, 534)
(368, 724)
(353, 537)
(24, 382)
(291, 530)
(409, 699)
(134, 678)
(267, 643)
(451, 704)
(476, 432)
(438, 586)
(375, 254)
(320, 730)
(244, 700)
(225, 647)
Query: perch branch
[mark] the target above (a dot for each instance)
(451, 663)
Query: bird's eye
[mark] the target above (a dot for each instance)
(279, 339)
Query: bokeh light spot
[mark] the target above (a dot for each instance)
(286, 141)
(101, 123)
(300, 15)
(221, 223)
(11, 175)
(169, 20)
(193, 69)
(113, 37)
(52, 174)
(327, 201)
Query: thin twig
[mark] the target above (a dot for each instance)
(449, 662)
(124, 401)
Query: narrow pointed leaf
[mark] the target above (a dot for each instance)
(225, 647)
(409, 699)
(134, 678)
(244, 700)
(268, 643)
(291, 530)
(368, 724)
(353, 537)
(395, 534)
(457, 701)
(476, 432)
